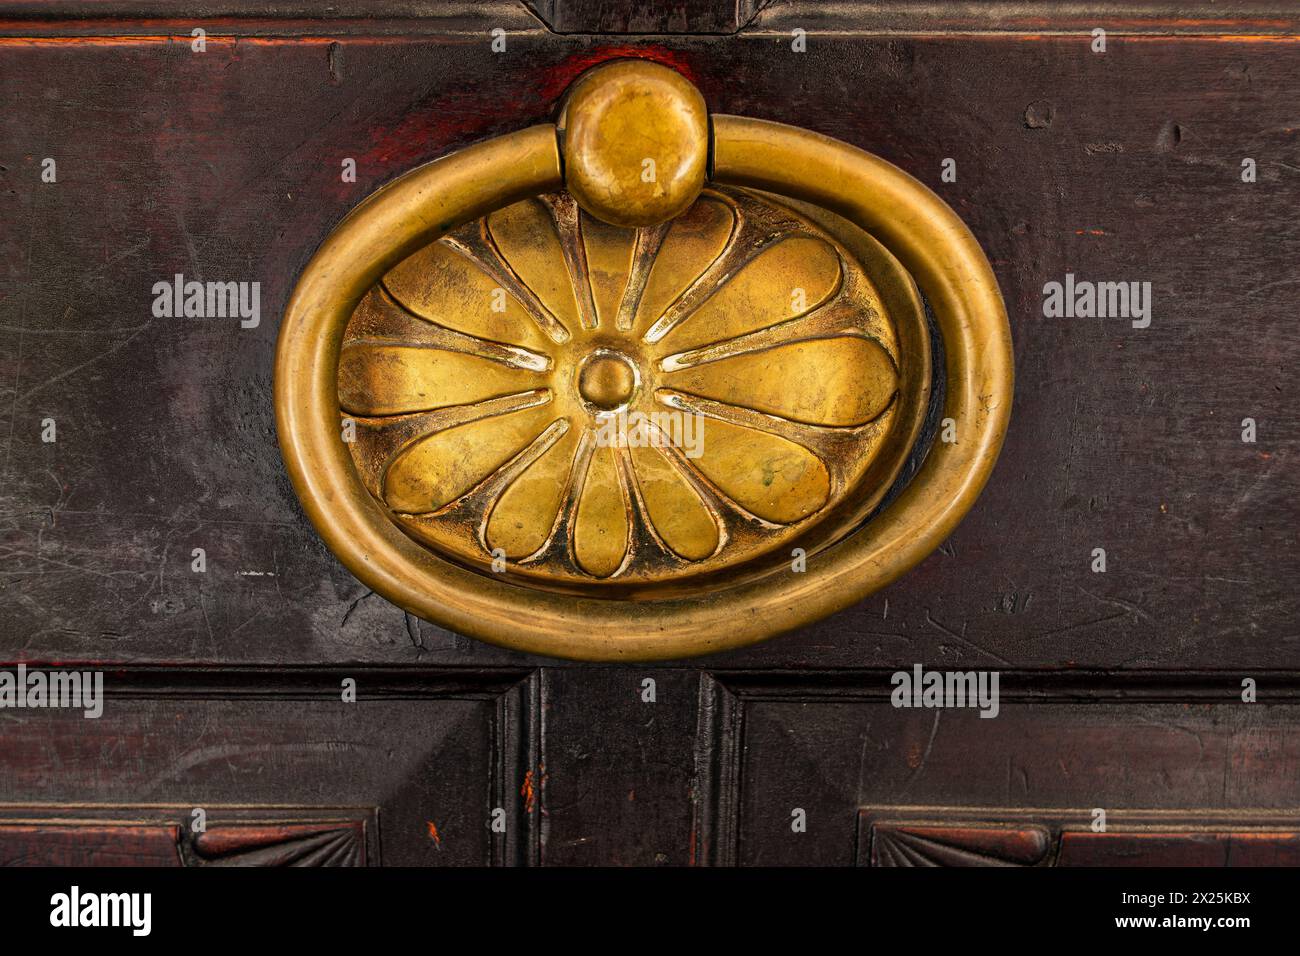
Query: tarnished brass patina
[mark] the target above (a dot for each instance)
(597, 420)
(636, 142)
(599, 405)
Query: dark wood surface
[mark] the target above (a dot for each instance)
(223, 686)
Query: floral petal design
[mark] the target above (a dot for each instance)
(526, 236)
(751, 367)
(381, 379)
(524, 515)
(842, 381)
(609, 251)
(694, 242)
(444, 286)
(443, 466)
(676, 510)
(600, 533)
(766, 475)
(786, 280)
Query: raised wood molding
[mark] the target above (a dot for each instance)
(979, 836)
(719, 748)
(273, 835)
(301, 18)
(1020, 684)
(91, 835)
(659, 18)
(916, 17)
(972, 836)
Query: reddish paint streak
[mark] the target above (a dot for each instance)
(915, 754)
(526, 791)
(1090, 232)
(425, 133)
(433, 834)
(659, 55)
(1114, 27)
(464, 115)
(1223, 37)
(956, 24)
(128, 40)
(556, 79)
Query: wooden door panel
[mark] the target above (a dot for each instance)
(163, 836)
(267, 757)
(992, 837)
(1213, 777)
(625, 793)
(1124, 441)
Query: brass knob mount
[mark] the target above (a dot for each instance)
(599, 395)
(635, 143)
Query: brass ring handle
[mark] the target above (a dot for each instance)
(573, 597)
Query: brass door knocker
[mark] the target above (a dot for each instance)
(635, 385)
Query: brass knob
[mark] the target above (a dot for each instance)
(570, 391)
(636, 141)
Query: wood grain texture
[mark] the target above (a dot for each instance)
(652, 17)
(619, 773)
(906, 845)
(245, 18)
(162, 836)
(990, 836)
(1202, 765)
(89, 845)
(1162, 17)
(229, 169)
(436, 757)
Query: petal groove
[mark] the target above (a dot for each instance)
(675, 509)
(766, 475)
(527, 239)
(441, 285)
(439, 468)
(848, 380)
(609, 250)
(787, 279)
(601, 529)
(694, 241)
(383, 379)
(522, 518)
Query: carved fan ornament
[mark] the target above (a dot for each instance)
(642, 383)
(587, 402)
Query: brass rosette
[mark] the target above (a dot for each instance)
(574, 391)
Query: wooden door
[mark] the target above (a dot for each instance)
(150, 532)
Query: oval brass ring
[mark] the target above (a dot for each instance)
(919, 229)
